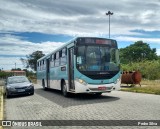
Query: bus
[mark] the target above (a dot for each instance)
(83, 65)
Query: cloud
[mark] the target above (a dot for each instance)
(74, 18)
(12, 48)
(158, 52)
(14, 45)
(134, 39)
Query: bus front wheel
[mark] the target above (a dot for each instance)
(64, 89)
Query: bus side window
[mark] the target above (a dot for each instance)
(41, 65)
(52, 60)
(60, 56)
(63, 59)
(44, 64)
(57, 59)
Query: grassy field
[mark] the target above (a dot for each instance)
(147, 86)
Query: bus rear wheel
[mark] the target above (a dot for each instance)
(43, 84)
(64, 89)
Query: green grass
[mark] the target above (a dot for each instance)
(150, 87)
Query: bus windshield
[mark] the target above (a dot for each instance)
(97, 58)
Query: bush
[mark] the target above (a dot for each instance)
(4, 75)
(149, 69)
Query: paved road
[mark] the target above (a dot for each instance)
(51, 105)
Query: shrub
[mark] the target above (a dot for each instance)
(149, 69)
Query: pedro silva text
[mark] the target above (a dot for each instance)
(147, 123)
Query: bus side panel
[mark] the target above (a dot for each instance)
(40, 76)
(56, 74)
(54, 82)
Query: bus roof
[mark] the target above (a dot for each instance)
(67, 43)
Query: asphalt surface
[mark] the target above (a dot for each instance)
(51, 105)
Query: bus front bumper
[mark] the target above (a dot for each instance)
(96, 88)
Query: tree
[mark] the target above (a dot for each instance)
(31, 60)
(5, 74)
(137, 52)
(30, 74)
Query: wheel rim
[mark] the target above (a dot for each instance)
(64, 89)
(43, 85)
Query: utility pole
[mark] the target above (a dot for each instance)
(109, 13)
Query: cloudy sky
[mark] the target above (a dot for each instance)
(30, 25)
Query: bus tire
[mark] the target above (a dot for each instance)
(64, 89)
(43, 84)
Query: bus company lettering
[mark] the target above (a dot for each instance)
(25, 123)
(34, 124)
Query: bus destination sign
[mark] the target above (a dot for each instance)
(83, 41)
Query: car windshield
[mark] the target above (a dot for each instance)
(97, 58)
(12, 80)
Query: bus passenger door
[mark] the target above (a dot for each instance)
(71, 68)
(48, 72)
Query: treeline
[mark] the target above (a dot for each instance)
(139, 56)
(149, 69)
(30, 74)
(4, 75)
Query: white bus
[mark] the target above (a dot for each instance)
(83, 65)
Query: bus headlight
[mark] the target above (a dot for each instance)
(81, 81)
(116, 81)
